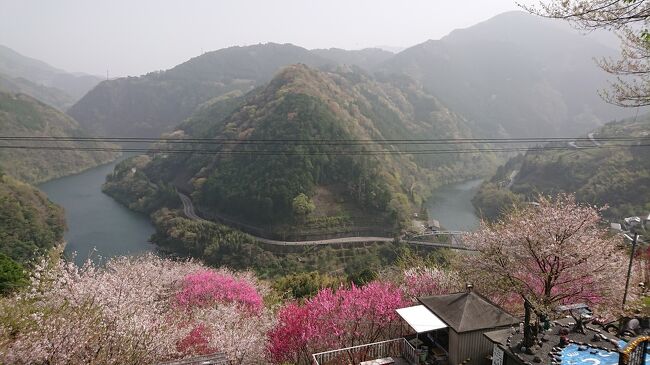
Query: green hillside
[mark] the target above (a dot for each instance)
(22, 115)
(306, 105)
(29, 225)
(616, 176)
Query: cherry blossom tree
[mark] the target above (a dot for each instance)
(553, 253)
(425, 281)
(336, 319)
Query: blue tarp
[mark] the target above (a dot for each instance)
(571, 356)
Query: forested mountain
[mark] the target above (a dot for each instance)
(156, 102)
(597, 172)
(14, 65)
(29, 225)
(327, 182)
(515, 75)
(22, 115)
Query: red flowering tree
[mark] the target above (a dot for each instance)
(208, 287)
(225, 312)
(336, 319)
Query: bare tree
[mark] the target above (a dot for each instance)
(628, 19)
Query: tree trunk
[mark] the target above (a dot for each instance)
(529, 337)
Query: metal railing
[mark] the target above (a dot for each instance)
(354, 355)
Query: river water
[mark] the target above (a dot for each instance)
(452, 206)
(98, 226)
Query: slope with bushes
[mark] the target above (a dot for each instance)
(615, 173)
(22, 115)
(30, 225)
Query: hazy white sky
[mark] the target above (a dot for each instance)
(132, 37)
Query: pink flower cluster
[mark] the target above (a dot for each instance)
(197, 341)
(333, 319)
(208, 287)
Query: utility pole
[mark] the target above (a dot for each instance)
(632, 226)
(629, 268)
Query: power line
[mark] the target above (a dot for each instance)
(320, 153)
(224, 141)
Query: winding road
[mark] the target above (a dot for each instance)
(188, 210)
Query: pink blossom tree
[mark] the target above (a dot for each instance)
(553, 253)
(334, 319)
(208, 287)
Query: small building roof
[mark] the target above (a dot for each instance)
(498, 336)
(421, 319)
(468, 311)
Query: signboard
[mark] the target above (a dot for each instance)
(497, 356)
(637, 356)
(635, 351)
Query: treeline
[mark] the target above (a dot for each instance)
(130, 185)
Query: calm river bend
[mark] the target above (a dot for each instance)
(452, 206)
(99, 227)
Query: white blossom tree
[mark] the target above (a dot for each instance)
(134, 311)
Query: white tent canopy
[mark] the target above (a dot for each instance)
(421, 319)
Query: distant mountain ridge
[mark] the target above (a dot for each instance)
(512, 75)
(154, 103)
(49, 95)
(74, 85)
(515, 75)
(368, 58)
